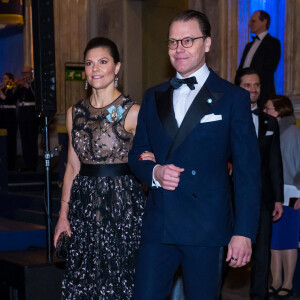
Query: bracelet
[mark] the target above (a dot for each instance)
(64, 201)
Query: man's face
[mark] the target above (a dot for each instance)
(251, 83)
(256, 25)
(26, 74)
(188, 60)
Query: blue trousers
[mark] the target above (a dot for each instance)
(157, 264)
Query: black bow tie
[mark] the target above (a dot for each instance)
(190, 81)
(255, 38)
(256, 111)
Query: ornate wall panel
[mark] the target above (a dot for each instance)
(292, 53)
(70, 22)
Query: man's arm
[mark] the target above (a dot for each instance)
(272, 56)
(246, 178)
(141, 168)
(276, 170)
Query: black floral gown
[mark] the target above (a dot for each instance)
(105, 213)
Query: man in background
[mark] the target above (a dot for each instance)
(27, 120)
(267, 131)
(262, 54)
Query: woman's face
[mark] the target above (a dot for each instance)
(100, 68)
(270, 109)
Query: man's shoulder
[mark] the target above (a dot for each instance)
(271, 40)
(151, 93)
(160, 87)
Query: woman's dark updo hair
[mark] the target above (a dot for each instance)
(102, 42)
(283, 105)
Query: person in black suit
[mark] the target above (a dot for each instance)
(262, 54)
(267, 130)
(8, 118)
(193, 124)
(27, 120)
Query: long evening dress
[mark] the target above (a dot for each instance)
(105, 212)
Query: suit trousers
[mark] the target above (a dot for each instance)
(261, 257)
(157, 264)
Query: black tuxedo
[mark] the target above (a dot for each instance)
(271, 162)
(265, 61)
(271, 192)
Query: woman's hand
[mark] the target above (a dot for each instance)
(61, 226)
(147, 156)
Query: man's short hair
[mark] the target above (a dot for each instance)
(263, 15)
(242, 72)
(202, 19)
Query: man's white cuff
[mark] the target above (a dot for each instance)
(155, 182)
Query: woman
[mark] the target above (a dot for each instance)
(102, 203)
(8, 117)
(285, 236)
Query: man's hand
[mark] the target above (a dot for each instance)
(239, 251)
(277, 212)
(168, 176)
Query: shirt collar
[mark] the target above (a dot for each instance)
(262, 35)
(255, 107)
(201, 75)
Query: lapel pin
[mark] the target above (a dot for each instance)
(266, 122)
(209, 100)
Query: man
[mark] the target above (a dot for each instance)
(267, 130)
(262, 54)
(193, 129)
(27, 120)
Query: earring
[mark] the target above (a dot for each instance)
(86, 85)
(116, 81)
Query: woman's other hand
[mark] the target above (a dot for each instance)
(147, 156)
(61, 226)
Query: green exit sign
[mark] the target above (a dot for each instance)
(75, 73)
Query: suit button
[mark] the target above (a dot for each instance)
(194, 195)
(194, 172)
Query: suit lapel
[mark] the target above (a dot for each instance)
(248, 46)
(199, 107)
(262, 126)
(165, 110)
(260, 47)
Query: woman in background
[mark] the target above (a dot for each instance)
(285, 236)
(102, 202)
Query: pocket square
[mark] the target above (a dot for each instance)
(211, 118)
(269, 132)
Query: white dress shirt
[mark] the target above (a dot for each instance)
(253, 49)
(183, 97)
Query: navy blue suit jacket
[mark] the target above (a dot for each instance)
(199, 211)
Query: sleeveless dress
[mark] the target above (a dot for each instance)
(105, 213)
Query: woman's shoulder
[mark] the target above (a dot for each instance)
(127, 102)
(80, 103)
